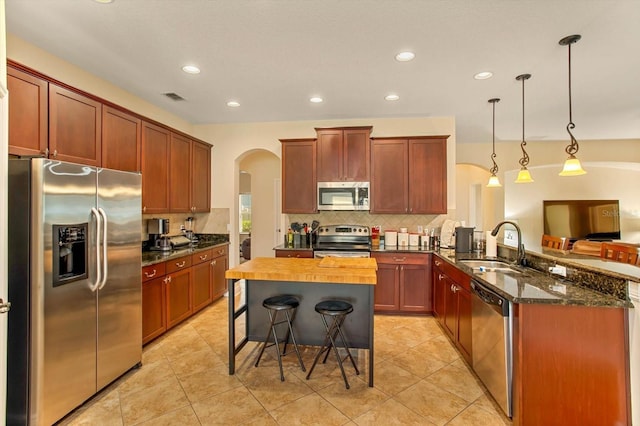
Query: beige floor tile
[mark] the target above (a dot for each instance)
(153, 402)
(476, 416)
(356, 400)
(104, 410)
(184, 416)
(207, 383)
(391, 378)
(194, 361)
(272, 393)
(146, 377)
(418, 363)
(435, 404)
(234, 407)
(439, 347)
(310, 410)
(153, 353)
(391, 413)
(458, 381)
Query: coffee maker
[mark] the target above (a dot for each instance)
(464, 239)
(158, 229)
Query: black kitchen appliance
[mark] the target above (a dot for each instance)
(464, 239)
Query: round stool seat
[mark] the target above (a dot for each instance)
(281, 302)
(334, 307)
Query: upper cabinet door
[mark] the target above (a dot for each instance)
(28, 111)
(201, 177)
(121, 140)
(75, 127)
(155, 168)
(343, 154)
(389, 176)
(299, 189)
(330, 155)
(180, 174)
(428, 176)
(356, 155)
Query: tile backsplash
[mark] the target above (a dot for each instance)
(385, 221)
(204, 223)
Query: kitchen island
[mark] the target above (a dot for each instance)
(311, 280)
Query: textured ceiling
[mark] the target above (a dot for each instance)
(271, 56)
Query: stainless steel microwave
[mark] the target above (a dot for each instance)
(343, 195)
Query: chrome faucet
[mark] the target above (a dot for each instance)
(520, 259)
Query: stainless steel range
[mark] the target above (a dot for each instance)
(342, 241)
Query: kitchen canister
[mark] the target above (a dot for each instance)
(390, 238)
(414, 239)
(403, 239)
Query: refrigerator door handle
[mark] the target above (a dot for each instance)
(95, 285)
(105, 271)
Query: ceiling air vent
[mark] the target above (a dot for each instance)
(174, 96)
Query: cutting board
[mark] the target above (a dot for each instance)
(348, 262)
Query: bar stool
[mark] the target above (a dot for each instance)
(337, 310)
(275, 304)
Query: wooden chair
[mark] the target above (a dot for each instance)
(620, 253)
(559, 243)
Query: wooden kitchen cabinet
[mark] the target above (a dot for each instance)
(294, 253)
(179, 288)
(28, 114)
(154, 313)
(200, 177)
(202, 279)
(75, 127)
(219, 266)
(299, 191)
(452, 304)
(121, 140)
(155, 168)
(408, 175)
(179, 174)
(343, 154)
(403, 283)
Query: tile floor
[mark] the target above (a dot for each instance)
(420, 379)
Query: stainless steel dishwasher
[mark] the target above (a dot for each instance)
(492, 325)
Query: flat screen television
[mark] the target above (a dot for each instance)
(597, 220)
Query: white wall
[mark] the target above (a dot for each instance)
(491, 199)
(264, 168)
(605, 181)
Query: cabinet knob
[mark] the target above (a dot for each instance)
(204, 257)
(440, 277)
(399, 259)
(55, 153)
(144, 209)
(181, 264)
(46, 152)
(213, 262)
(148, 275)
(438, 263)
(169, 278)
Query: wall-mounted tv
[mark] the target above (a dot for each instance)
(597, 220)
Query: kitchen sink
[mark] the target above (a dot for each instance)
(490, 266)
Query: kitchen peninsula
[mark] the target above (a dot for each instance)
(311, 280)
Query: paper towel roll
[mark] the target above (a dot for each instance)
(491, 245)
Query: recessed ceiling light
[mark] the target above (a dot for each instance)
(483, 75)
(392, 97)
(191, 69)
(104, 1)
(405, 56)
(316, 99)
(233, 104)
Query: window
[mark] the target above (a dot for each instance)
(245, 213)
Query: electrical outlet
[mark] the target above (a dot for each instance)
(228, 227)
(558, 270)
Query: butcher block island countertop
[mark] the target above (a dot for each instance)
(331, 270)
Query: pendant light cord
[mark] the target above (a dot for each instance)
(572, 148)
(524, 161)
(494, 168)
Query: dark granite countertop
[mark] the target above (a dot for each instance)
(533, 286)
(283, 247)
(206, 242)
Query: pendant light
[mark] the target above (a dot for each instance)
(572, 166)
(494, 182)
(523, 175)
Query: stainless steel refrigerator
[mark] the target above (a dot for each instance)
(75, 323)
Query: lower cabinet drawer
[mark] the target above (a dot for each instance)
(153, 271)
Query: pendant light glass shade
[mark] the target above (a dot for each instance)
(572, 166)
(523, 175)
(494, 182)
